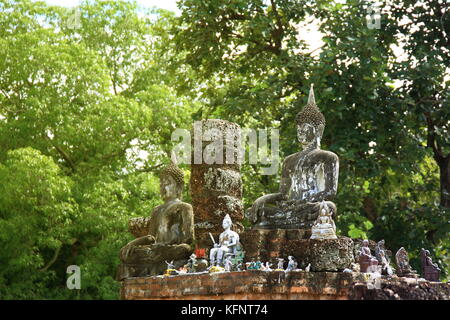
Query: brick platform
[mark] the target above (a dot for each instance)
(245, 285)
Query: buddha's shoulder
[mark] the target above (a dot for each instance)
(292, 158)
(180, 205)
(323, 156)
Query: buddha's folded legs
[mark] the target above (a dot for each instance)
(290, 215)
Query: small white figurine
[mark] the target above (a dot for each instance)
(280, 264)
(324, 227)
(228, 264)
(292, 264)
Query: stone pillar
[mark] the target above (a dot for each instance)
(216, 186)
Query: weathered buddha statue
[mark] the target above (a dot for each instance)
(404, 268)
(430, 270)
(367, 262)
(324, 227)
(383, 259)
(166, 235)
(308, 177)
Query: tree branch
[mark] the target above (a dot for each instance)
(63, 154)
(431, 137)
(52, 261)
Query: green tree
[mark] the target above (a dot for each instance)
(37, 213)
(91, 97)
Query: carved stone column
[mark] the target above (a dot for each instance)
(216, 186)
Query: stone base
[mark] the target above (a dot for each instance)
(323, 255)
(412, 275)
(251, 285)
(401, 289)
(274, 285)
(151, 260)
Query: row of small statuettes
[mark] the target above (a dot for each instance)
(366, 263)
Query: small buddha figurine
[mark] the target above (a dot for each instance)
(228, 242)
(280, 265)
(292, 264)
(383, 259)
(367, 262)
(228, 264)
(192, 263)
(165, 235)
(308, 177)
(324, 227)
(404, 269)
(430, 270)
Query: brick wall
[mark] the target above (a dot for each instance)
(252, 285)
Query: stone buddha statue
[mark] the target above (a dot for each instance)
(367, 262)
(430, 270)
(403, 267)
(308, 177)
(166, 235)
(324, 227)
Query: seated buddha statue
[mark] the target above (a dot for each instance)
(228, 244)
(367, 262)
(324, 227)
(430, 270)
(308, 177)
(164, 236)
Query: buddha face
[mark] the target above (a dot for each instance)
(306, 133)
(169, 188)
(226, 224)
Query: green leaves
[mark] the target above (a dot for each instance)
(36, 212)
(86, 117)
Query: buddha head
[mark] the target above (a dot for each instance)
(310, 121)
(227, 223)
(171, 182)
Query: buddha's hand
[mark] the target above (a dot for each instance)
(125, 252)
(255, 210)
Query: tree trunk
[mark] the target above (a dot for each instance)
(444, 167)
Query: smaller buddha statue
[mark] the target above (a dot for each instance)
(280, 265)
(228, 243)
(367, 262)
(430, 270)
(404, 269)
(166, 235)
(324, 227)
(228, 264)
(292, 264)
(383, 259)
(192, 264)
